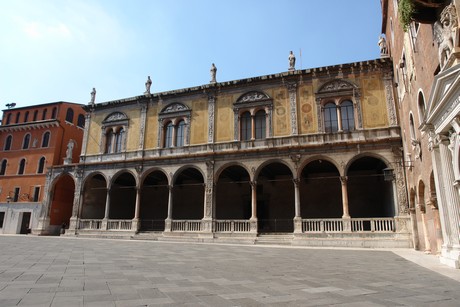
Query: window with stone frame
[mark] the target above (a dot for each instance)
(22, 166)
(338, 107)
(46, 139)
(26, 141)
(253, 116)
(41, 165)
(174, 125)
(8, 142)
(3, 167)
(114, 131)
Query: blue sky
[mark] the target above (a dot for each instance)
(59, 50)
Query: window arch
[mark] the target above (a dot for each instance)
(81, 121)
(8, 119)
(26, 116)
(347, 115)
(44, 114)
(174, 119)
(41, 165)
(114, 132)
(339, 106)
(18, 115)
(412, 127)
(3, 167)
(46, 139)
(253, 111)
(22, 166)
(8, 142)
(26, 141)
(35, 115)
(69, 115)
(54, 113)
(421, 107)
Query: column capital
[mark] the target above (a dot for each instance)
(343, 179)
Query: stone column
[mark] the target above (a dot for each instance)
(168, 220)
(297, 217)
(77, 202)
(235, 125)
(425, 232)
(136, 222)
(161, 132)
(211, 111)
(44, 220)
(253, 127)
(107, 211)
(292, 89)
(253, 219)
(346, 219)
(339, 119)
(208, 197)
(269, 119)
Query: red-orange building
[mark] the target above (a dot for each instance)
(31, 140)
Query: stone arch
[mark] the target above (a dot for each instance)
(154, 197)
(257, 170)
(94, 196)
(366, 154)
(123, 193)
(233, 192)
(188, 193)
(226, 165)
(320, 190)
(62, 198)
(319, 157)
(275, 196)
(369, 195)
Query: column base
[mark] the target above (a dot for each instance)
(42, 228)
(104, 224)
(168, 224)
(136, 225)
(206, 225)
(73, 226)
(297, 224)
(346, 221)
(254, 225)
(450, 257)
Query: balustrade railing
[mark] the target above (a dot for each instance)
(322, 225)
(373, 224)
(232, 226)
(119, 224)
(186, 225)
(90, 224)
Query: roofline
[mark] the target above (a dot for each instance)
(42, 105)
(218, 85)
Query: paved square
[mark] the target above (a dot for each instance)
(56, 271)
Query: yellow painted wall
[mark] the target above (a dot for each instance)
(224, 118)
(199, 124)
(95, 134)
(151, 128)
(281, 121)
(306, 106)
(373, 103)
(132, 141)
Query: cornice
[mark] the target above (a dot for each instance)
(45, 124)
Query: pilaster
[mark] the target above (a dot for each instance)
(292, 89)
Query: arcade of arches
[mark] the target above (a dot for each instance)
(276, 196)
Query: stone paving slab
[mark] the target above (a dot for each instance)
(63, 271)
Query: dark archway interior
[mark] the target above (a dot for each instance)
(369, 195)
(62, 203)
(123, 197)
(188, 195)
(233, 194)
(275, 199)
(320, 191)
(94, 198)
(154, 202)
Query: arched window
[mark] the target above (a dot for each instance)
(246, 126)
(44, 114)
(41, 165)
(17, 117)
(119, 140)
(25, 143)
(169, 129)
(347, 114)
(46, 139)
(330, 118)
(260, 123)
(22, 166)
(412, 127)
(69, 115)
(81, 121)
(8, 119)
(3, 167)
(35, 115)
(421, 107)
(180, 133)
(54, 113)
(9, 140)
(26, 117)
(109, 140)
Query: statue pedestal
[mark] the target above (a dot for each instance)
(67, 161)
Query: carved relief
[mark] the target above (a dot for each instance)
(390, 102)
(292, 88)
(115, 116)
(252, 97)
(211, 107)
(175, 107)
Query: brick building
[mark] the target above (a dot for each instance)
(31, 140)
